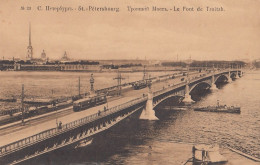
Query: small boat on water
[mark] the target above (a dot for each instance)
(219, 108)
(206, 154)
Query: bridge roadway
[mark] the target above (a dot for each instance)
(16, 131)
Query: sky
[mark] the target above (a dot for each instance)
(233, 34)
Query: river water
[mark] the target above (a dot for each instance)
(57, 84)
(129, 144)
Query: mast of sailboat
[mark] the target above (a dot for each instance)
(52, 93)
(92, 80)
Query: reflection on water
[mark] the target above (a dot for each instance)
(134, 142)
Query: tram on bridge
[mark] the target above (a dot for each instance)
(88, 102)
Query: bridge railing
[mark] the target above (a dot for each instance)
(104, 90)
(174, 86)
(157, 93)
(208, 75)
(54, 131)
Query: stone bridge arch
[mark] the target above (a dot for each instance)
(233, 75)
(221, 76)
(207, 82)
(158, 102)
(180, 93)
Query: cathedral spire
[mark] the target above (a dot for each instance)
(30, 44)
(29, 47)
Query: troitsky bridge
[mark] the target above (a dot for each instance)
(81, 127)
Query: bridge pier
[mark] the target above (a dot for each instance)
(229, 77)
(229, 80)
(187, 98)
(213, 85)
(237, 75)
(241, 71)
(148, 113)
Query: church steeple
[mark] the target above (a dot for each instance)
(43, 55)
(29, 47)
(30, 44)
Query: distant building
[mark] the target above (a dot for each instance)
(42, 60)
(43, 56)
(257, 63)
(36, 67)
(65, 57)
(29, 47)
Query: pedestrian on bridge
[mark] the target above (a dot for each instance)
(60, 125)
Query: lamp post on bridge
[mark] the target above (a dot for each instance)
(144, 73)
(22, 101)
(119, 79)
(92, 80)
(24, 108)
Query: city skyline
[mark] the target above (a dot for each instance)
(30, 55)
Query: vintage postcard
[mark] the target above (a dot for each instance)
(172, 82)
